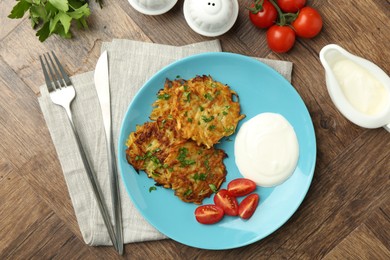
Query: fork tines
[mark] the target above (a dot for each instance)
(57, 78)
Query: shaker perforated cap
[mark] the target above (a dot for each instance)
(152, 7)
(211, 17)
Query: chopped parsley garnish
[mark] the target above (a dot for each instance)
(150, 155)
(152, 188)
(189, 120)
(188, 192)
(187, 96)
(183, 152)
(207, 165)
(229, 129)
(208, 96)
(199, 177)
(207, 119)
(201, 108)
(164, 96)
(213, 188)
(211, 127)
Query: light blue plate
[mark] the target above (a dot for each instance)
(261, 89)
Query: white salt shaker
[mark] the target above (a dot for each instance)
(211, 17)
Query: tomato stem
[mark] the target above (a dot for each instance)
(284, 18)
(257, 7)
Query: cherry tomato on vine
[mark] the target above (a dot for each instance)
(280, 38)
(291, 6)
(241, 187)
(308, 23)
(248, 206)
(263, 16)
(227, 202)
(208, 214)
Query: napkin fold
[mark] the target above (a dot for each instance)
(131, 64)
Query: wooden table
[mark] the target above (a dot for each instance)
(346, 213)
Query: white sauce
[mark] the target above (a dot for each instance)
(362, 90)
(266, 149)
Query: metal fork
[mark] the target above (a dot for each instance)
(62, 93)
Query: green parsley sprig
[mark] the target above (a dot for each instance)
(50, 17)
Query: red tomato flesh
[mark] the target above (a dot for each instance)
(280, 38)
(227, 202)
(308, 23)
(291, 6)
(264, 17)
(241, 187)
(248, 206)
(208, 214)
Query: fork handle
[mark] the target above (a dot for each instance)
(94, 183)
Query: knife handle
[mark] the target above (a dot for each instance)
(115, 193)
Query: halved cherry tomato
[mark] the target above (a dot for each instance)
(291, 6)
(208, 214)
(280, 38)
(308, 23)
(227, 202)
(241, 187)
(248, 206)
(263, 16)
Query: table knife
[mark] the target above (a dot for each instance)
(102, 85)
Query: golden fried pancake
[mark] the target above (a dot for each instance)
(173, 162)
(176, 149)
(149, 145)
(204, 109)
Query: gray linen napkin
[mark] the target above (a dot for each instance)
(131, 64)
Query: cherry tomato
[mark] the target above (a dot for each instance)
(208, 214)
(227, 202)
(291, 6)
(248, 206)
(241, 187)
(263, 17)
(308, 23)
(280, 38)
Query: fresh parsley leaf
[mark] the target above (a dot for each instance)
(61, 5)
(19, 9)
(50, 17)
(44, 32)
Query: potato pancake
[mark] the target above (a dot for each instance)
(149, 146)
(173, 162)
(176, 149)
(204, 109)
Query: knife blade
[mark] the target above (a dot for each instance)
(102, 85)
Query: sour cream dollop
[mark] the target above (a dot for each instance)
(266, 149)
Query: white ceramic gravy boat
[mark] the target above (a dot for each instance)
(332, 53)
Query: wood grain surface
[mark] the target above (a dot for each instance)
(346, 213)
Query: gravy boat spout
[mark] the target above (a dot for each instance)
(359, 89)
